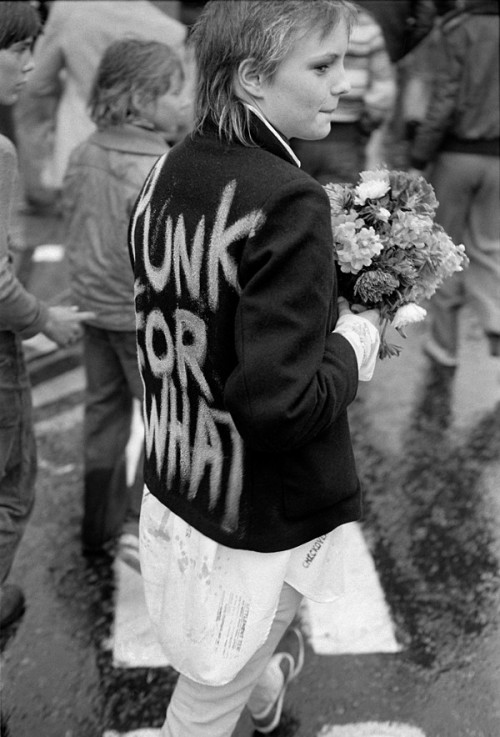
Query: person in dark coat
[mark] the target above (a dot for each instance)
(249, 364)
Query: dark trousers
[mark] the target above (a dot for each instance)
(113, 382)
(468, 190)
(17, 450)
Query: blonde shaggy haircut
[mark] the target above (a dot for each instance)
(228, 32)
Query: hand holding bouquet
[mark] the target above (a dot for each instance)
(390, 252)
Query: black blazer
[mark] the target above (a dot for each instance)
(247, 436)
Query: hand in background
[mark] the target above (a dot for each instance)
(64, 324)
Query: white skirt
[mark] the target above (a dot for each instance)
(212, 606)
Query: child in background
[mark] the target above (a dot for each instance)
(53, 117)
(22, 315)
(249, 363)
(137, 103)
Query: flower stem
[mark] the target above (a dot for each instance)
(385, 325)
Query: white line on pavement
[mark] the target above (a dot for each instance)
(39, 345)
(61, 422)
(48, 253)
(359, 621)
(362, 729)
(60, 387)
(371, 729)
(135, 733)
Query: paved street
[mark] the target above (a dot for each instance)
(412, 650)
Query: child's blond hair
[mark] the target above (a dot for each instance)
(132, 73)
(227, 33)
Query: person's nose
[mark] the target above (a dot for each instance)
(342, 84)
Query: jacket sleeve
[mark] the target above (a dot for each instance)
(448, 68)
(293, 376)
(20, 311)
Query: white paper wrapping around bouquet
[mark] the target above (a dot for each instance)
(212, 606)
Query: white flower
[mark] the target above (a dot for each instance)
(355, 249)
(407, 314)
(383, 214)
(374, 184)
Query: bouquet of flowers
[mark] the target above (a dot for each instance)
(390, 252)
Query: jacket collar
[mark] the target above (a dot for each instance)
(269, 137)
(264, 135)
(131, 139)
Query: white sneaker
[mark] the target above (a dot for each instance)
(289, 660)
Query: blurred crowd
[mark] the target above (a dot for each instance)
(105, 98)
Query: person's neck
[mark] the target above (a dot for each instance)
(281, 138)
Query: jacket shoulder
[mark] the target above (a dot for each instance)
(247, 163)
(85, 152)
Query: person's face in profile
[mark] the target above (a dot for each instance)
(300, 98)
(15, 64)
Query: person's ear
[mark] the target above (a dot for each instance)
(249, 79)
(138, 100)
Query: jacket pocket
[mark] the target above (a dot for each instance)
(320, 475)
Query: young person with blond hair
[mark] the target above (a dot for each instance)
(249, 364)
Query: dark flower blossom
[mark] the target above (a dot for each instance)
(372, 286)
(413, 193)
